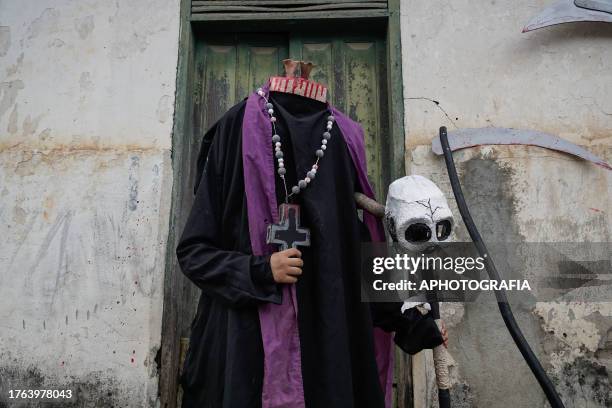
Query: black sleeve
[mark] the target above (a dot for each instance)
(236, 278)
(416, 332)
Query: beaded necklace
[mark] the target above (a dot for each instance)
(278, 151)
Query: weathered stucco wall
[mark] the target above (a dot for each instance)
(86, 110)
(474, 60)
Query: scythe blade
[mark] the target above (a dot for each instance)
(464, 138)
(565, 11)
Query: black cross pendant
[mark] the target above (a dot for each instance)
(287, 233)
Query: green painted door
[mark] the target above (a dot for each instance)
(229, 67)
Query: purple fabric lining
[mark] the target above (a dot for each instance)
(282, 382)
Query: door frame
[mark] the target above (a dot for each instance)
(170, 354)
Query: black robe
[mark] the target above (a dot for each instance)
(224, 364)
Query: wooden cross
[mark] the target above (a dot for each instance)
(287, 233)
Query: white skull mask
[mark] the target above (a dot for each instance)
(417, 214)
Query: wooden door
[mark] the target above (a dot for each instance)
(228, 67)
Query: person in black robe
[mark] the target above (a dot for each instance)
(224, 363)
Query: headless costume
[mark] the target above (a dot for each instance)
(255, 343)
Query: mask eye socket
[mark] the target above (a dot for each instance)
(418, 232)
(443, 230)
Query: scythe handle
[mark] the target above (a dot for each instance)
(502, 301)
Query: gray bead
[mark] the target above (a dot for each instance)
(282, 171)
(302, 184)
(270, 106)
(324, 141)
(311, 174)
(320, 153)
(279, 155)
(295, 189)
(331, 118)
(326, 135)
(276, 138)
(323, 147)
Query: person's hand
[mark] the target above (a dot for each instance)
(286, 265)
(444, 333)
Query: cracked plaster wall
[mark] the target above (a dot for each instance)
(473, 59)
(86, 110)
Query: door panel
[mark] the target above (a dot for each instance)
(218, 81)
(362, 101)
(321, 54)
(228, 68)
(259, 63)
